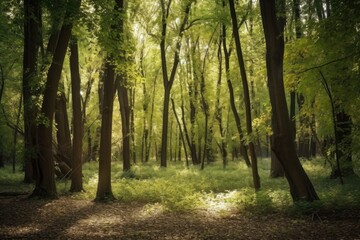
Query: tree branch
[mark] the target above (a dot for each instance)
(327, 63)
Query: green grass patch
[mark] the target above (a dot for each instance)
(214, 189)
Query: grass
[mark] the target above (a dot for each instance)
(215, 189)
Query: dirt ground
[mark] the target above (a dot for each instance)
(66, 218)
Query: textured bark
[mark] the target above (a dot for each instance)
(301, 187)
(76, 176)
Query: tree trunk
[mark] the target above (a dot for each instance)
(181, 133)
(218, 108)
(64, 148)
(256, 177)
(132, 122)
(45, 182)
(276, 169)
(104, 191)
(169, 80)
(76, 175)
(32, 23)
(344, 138)
(243, 147)
(301, 187)
(125, 120)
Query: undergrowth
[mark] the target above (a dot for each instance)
(215, 189)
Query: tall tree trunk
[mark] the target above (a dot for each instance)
(45, 182)
(301, 187)
(169, 80)
(104, 191)
(95, 146)
(125, 120)
(32, 23)
(256, 177)
(132, 122)
(218, 108)
(148, 148)
(76, 175)
(16, 134)
(243, 147)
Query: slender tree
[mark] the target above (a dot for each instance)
(256, 177)
(76, 175)
(169, 80)
(301, 187)
(227, 53)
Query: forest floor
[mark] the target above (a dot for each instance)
(67, 218)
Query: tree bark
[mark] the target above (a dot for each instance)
(76, 175)
(301, 187)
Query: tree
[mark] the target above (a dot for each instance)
(256, 178)
(76, 175)
(169, 80)
(227, 53)
(45, 182)
(301, 187)
(32, 23)
(104, 191)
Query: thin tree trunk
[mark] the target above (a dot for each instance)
(243, 147)
(256, 177)
(218, 108)
(181, 133)
(169, 80)
(125, 120)
(76, 175)
(16, 134)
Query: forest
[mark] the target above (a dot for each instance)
(179, 106)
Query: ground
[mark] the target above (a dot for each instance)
(67, 218)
